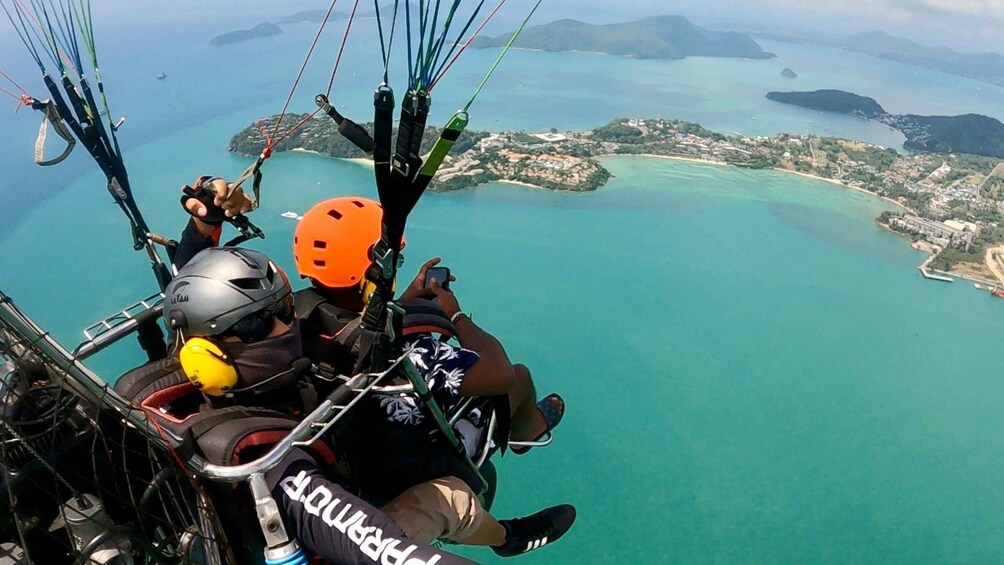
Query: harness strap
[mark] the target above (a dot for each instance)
(443, 145)
(253, 171)
(349, 129)
(50, 115)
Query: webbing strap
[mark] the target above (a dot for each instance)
(253, 171)
(383, 131)
(50, 115)
(435, 158)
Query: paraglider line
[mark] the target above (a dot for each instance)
(11, 94)
(460, 36)
(306, 59)
(505, 50)
(12, 81)
(447, 66)
(341, 48)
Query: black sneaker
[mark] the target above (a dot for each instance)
(535, 531)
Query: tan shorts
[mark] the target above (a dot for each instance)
(441, 509)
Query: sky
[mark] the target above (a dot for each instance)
(967, 25)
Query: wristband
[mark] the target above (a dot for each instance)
(456, 317)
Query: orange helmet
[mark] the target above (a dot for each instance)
(332, 242)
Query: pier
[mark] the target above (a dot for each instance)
(934, 276)
(928, 274)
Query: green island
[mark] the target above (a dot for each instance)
(657, 37)
(969, 133)
(951, 203)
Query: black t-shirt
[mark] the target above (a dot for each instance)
(331, 523)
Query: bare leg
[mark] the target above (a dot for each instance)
(527, 422)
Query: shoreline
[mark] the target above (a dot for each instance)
(727, 164)
(369, 163)
(524, 185)
(356, 160)
(673, 158)
(845, 185)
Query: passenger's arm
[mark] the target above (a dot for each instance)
(493, 374)
(197, 236)
(335, 525)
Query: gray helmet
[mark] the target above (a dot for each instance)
(221, 286)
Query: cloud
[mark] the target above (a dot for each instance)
(981, 8)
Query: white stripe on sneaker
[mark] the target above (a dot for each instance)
(535, 544)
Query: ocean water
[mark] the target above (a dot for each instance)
(754, 373)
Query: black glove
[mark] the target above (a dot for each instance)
(215, 215)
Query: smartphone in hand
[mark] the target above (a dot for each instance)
(439, 274)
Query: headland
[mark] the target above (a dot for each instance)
(953, 202)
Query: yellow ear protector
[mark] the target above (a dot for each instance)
(367, 288)
(208, 366)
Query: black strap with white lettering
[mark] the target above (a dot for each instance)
(338, 526)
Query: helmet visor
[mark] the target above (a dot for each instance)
(259, 325)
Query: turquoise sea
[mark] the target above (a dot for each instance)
(754, 373)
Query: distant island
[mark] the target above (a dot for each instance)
(953, 203)
(304, 16)
(970, 133)
(832, 101)
(986, 67)
(659, 37)
(788, 73)
(260, 30)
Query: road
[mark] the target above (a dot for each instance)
(995, 260)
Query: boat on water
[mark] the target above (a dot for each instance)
(291, 215)
(998, 292)
(162, 75)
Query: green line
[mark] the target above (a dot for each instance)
(501, 55)
(442, 147)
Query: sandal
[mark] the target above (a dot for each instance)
(552, 408)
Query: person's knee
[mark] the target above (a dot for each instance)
(466, 507)
(522, 381)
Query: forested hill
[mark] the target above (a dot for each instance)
(970, 133)
(831, 101)
(660, 37)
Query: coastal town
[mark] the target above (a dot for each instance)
(950, 205)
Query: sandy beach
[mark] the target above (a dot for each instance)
(845, 185)
(525, 185)
(806, 175)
